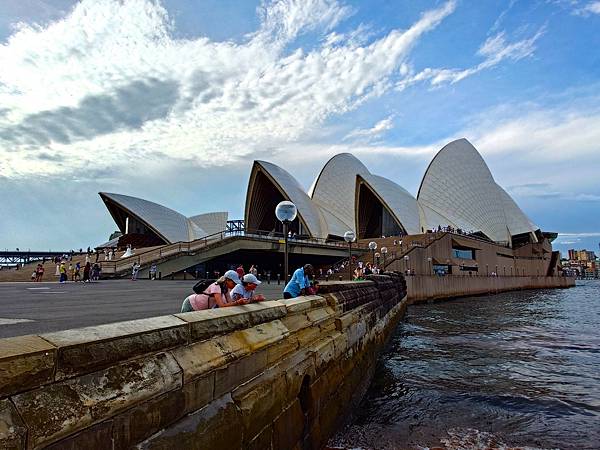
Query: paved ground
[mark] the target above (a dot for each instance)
(33, 308)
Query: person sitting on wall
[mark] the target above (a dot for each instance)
(313, 289)
(217, 295)
(300, 282)
(246, 289)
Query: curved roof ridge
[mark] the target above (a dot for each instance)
(167, 223)
(331, 160)
(335, 186)
(397, 200)
(459, 185)
(289, 187)
(445, 147)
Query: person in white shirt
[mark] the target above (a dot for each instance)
(246, 289)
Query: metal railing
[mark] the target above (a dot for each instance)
(166, 251)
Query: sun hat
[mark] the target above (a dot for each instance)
(233, 276)
(250, 278)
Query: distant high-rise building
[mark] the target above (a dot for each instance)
(573, 255)
(585, 255)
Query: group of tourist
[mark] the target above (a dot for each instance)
(228, 290)
(366, 269)
(237, 288)
(38, 273)
(451, 229)
(91, 272)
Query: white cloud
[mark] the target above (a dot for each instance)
(575, 238)
(108, 86)
(545, 190)
(374, 133)
(502, 15)
(551, 135)
(494, 51)
(588, 9)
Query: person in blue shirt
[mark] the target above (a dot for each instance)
(300, 282)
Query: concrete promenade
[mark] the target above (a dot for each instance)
(34, 308)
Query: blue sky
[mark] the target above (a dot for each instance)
(172, 100)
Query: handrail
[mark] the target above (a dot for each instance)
(437, 236)
(180, 247)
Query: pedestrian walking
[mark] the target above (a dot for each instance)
(135, 270)
(62, 269)
(153, 269)
(39, 273)
(86, 272)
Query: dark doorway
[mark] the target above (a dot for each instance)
(261, 214)
(374, 219)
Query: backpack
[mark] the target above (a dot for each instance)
(202, 286)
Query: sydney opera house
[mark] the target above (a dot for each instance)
(457, 190)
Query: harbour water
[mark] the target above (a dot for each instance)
(513, 370)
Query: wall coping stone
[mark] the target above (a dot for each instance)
(297, 305)
(23, 345)
(328, 287)
(213, 322)
(110, 331)
(25, 362)
(89, 349)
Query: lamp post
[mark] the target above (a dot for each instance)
(373, 247)
(406, 258)
(285, 212)
(377, 256)
(429, 260)
(384, 251)
(349, 237)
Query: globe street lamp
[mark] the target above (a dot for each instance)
(406, 258)
(384, 251)
(285, 212)
(377, 256)
(429, 260)
(373, 247)
(349, 237)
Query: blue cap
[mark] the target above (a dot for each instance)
(233, 276)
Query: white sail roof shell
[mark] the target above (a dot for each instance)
(398, 200)
(211, 223)
(334, 190)
(459, 186)
(516, 219)
(169, 224)
(310, 214)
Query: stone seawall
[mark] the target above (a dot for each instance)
(275, 375)
(431, 287)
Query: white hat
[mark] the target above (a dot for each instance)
(233, 276)
(249, 278)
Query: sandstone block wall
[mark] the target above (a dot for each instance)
(431, 287)
(276, 375)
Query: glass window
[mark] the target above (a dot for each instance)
(463, 254)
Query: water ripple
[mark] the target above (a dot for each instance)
(513, 370)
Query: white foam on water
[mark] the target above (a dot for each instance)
(7, 321)
(471, 439)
